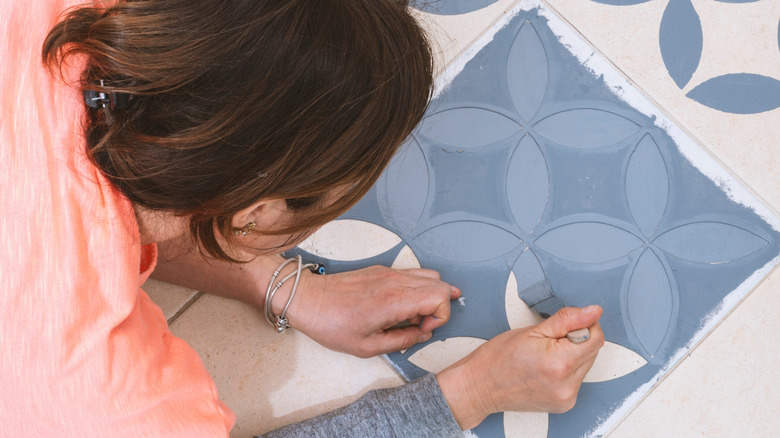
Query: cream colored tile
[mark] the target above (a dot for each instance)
(170, 297)
(728, 386)
(738, 38)
(349, 239)
(270, 380)
(748, 145)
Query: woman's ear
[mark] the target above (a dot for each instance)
(267, 214)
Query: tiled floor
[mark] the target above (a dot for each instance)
(727, 386)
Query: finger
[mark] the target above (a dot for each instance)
(432, 300)
(431, 323)
(436, 313)
(400, 339)
(569, 319)
(416, 320)
(428, 274)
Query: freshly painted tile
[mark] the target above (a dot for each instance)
(586, 188)
(170, 297)
(270, 380)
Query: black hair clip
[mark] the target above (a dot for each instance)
(113, 100)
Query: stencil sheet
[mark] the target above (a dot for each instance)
(537, 164)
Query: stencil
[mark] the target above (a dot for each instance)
(537, 163)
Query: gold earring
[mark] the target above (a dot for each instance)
(244, 231)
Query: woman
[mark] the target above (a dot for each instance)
(220, 133)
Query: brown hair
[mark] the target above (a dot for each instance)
(233, 101)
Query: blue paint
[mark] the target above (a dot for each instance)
(681, 40)
(462, 127)
(586, 128)
(450, 7)
(710, 242)
(578, 194)
(466, 241)
(403, 187)
(650, 288)
(528, 184)
(647, 185)
(527, 66)
(588, 242)
(739, 93)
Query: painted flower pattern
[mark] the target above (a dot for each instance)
(681, 41)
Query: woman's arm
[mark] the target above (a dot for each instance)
(530, 369)
(351, 312)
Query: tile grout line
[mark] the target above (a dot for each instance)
(184, 307)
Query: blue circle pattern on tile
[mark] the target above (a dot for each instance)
(528, 163)
(681, 41)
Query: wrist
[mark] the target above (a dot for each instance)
(462, 395)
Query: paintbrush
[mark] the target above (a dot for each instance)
(539, 297)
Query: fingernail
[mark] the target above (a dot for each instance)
(591, 309)
(424, 338)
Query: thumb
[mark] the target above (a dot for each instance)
(569, 319)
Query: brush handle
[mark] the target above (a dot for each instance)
(577, 336)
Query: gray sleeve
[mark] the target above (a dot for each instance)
(414, 410)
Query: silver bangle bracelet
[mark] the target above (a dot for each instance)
(280, 322)
(269, 294)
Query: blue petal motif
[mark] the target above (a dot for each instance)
(466, 127)
(527, 71)
(588, 242)
(710, 242)
(527, 184)
(450, 7)
(404, 187)
(681, 40)
(649, 303)
(586, 128)
(647, 185)
(739, 93)
(467, 241)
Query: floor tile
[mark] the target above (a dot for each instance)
(270, 380)
(171, 298)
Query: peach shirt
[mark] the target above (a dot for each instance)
(83, 350)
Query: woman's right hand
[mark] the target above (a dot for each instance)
(533, 369)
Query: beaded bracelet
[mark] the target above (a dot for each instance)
(280, 322)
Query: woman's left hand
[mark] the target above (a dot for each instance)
(355, 312)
